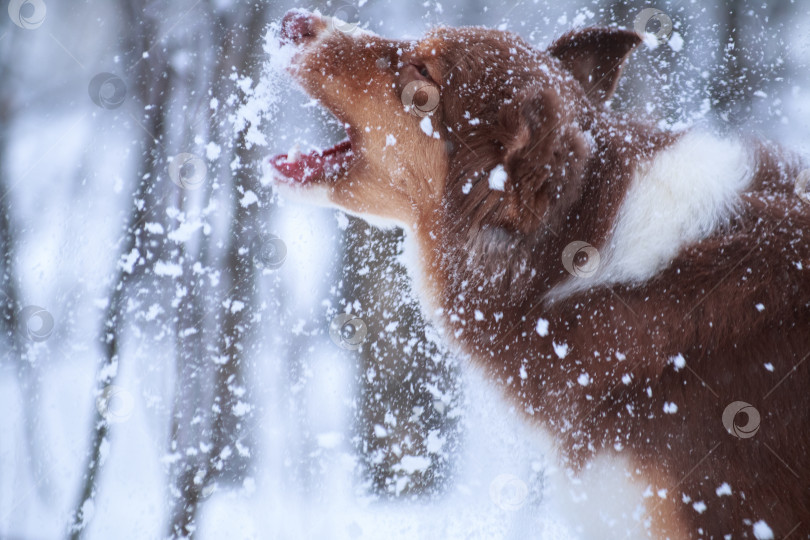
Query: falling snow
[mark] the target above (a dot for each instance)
(560, 349)
(497, 178)
(426, 126)
(213, 348)
(762, 531)
(724, 489)
(542, 327)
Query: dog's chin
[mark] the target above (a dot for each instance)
(314, 194)
(320, 194)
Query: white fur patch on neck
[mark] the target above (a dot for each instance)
(676, 199)
(414, 259)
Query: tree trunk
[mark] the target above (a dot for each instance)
(397, 412)
(151, 85)
(213, 390)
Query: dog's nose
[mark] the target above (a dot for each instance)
(297, 25)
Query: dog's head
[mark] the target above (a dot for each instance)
(470, 118)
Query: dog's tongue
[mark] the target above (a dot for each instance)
(304, 168)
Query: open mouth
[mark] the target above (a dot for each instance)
(315, 165)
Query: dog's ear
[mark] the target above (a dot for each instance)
(544, 152)
(595, 56)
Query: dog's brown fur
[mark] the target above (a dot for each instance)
(496, 254)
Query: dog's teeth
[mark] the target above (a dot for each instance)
(294, 153)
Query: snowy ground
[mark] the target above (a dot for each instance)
(493, 497)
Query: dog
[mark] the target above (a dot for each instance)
(641, 295)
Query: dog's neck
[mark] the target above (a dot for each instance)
(476, 283)
(461, 260)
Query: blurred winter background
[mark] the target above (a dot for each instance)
(181, 356)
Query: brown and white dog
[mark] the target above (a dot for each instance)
(642, 295)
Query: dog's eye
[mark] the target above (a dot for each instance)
(421, 69)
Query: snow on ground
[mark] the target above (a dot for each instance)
(336, 508)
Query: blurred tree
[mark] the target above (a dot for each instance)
(247, 253)
(409, 386)
(12, 340)
(208, 435)
(212, 390)
(149, 85)
(728, 53)
(750, 58)
(654, 82)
